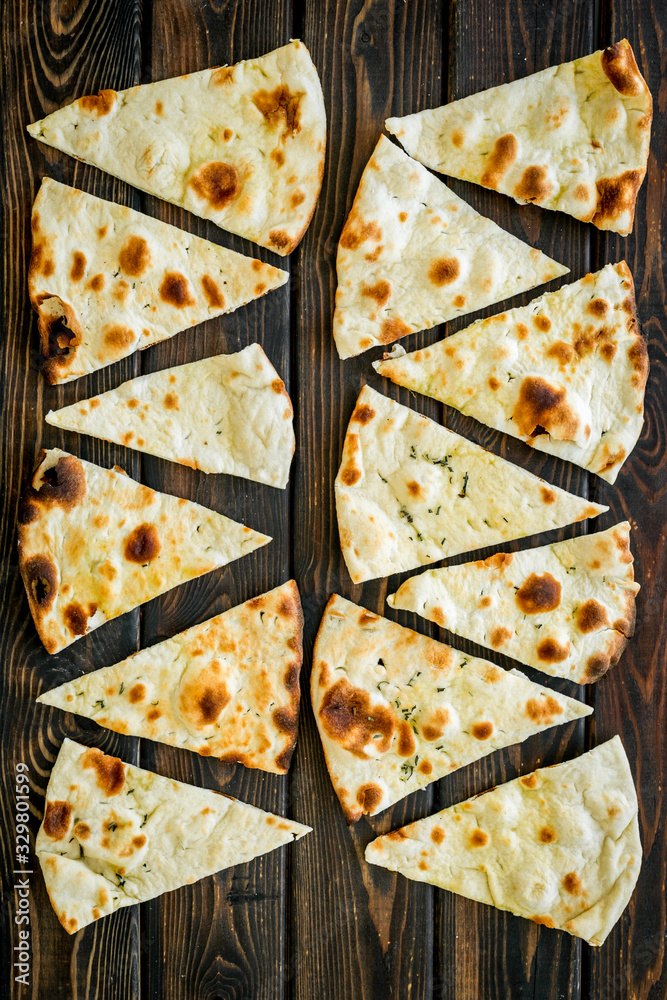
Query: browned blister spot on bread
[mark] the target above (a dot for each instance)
(619, 65)
(41, 579)
(591, 616)
(142, 545)
(500, 159)
(63, 485)
(216, 183)
(541, 405)
(499, 636)
(118, 339)
(616, 195)
(380, 292)
(203, 698)
(75, 617)
(482, 730)
(57, 819)
(539, 594)
(393, 329)
(534, 185)
(212, 293)
(134, 256)
(78, 266)
(175, 290)
(109, 771)
(357, 231)
(281, 240)
(349, 719)
(444, 271)
(98, 104)
(369, 797)
(280, 108)
(551, 651)
(406, 745)
(542, 710)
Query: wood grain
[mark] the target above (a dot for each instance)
(314, 920)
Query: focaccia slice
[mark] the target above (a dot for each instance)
(573, 137)
(413, 254)
(228, 688)
(567, 609)
(107, 281)
(114, 834)
(565, 373)
(410, 492)
(94, 543)
(224, 414)
(396, 710)
(559, 846)
(241, 145)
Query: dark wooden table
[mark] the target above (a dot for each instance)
(314, 921)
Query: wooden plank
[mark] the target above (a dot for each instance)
(50, 56)
(241, 951)
(632, 700)
(484, 952)
(354, 930)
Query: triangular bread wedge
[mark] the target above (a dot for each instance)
(573, 137)
(413, 254)
(228, 688)
(241, 145)
(224, 414)
(566, 609)
(559, 846)
(114, 834)
(411, 492)
(396, 710)
(566, 373)
(107, 281)
(94, 543)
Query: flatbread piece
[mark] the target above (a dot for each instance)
(413, 254)
(241, 145)
(559, 846)
(114, 834)
(396, 710)
(228, 688)
(565, 373)
(228, 413)
(573, 137)
(410, 492)
(567, 609)
(107, 281)
(94, 543)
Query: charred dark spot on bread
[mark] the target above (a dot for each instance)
(291, 677)
(212, 293)
(204, 698)
(598, 308)
(540, 404)
(60, 335)
(297, 198)
(285, 720)
(547, 835)
(57, 819)
(81, 831)
(551, 651)
(542, 710)
(542, 323)
(539, 594)
(479, 838)
(591, 616)
(142, 545)
(349, 719)
(41, 580)
(98, 104)
(75, 617)
(137, 693)
(62, 485)
(280, 108)
(109, 771)
(534, 185)
(175, 290)
(572, 884)
(620, 67)
(78, 266)
(444, 271)
(369, 797)
(616, 195)
(500, 159)
(482, 730)
(135, 256)
(362, 413)
(216, 183)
